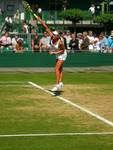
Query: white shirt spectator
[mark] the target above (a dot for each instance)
(68, 38)
(25, 27)
(9, 20)
(80, 39)
(91, 40)
(5, 40)
(45, 40)
(92, 9)
(14, 42)
(96, 45)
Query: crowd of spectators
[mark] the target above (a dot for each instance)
(15, 44)
(85, 41)
(74, 42)
(88, 41)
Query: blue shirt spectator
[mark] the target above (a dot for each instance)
(110, 41)
(103, 42)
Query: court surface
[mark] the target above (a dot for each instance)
(78, 117)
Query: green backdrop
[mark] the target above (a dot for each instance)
(78, 59)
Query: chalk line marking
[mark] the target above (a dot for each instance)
(110, 123)
(56, 134)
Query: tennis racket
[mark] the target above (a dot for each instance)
(28, 8)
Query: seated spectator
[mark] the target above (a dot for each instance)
(35, 44)
(80, 39)
(74, 43)
(103, 42)
(5, 41)
(85, 43)
(14, 42)
(91, 40)
(68, 39)
(96, 44)
(110, 41)
(44, 42)
(25, 27)
(19, 46)
(33, 31)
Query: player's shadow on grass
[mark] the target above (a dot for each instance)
(58, 93)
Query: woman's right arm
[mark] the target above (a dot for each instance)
(44, 25)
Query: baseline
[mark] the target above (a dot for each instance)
(57, 134)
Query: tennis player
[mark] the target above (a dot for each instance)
(61, 54)
(58, 49)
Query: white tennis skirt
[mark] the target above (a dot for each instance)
(62, 56)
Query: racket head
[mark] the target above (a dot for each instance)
(27, 7)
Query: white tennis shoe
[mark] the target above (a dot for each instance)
(56, 88)
(61, 85)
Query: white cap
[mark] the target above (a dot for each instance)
(55, 32)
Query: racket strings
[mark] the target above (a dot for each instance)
(27, 6)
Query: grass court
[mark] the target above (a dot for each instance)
(33, 119)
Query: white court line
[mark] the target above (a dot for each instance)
(57, 134)
(110, 123)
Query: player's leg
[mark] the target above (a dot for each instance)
(61, 74)
(60, 63)
(61, 77)
(58, 71)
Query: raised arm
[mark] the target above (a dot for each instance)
(44, 25)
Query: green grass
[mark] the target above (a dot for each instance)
(58, 143)
(27, 110)
(69, 78)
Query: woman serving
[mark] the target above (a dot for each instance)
(58, 49)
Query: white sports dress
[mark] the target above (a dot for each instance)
(55, 47)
